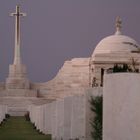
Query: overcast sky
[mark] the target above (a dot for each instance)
(59, 30)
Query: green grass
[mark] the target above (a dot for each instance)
(17, 128)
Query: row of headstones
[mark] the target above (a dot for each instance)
(64, 119)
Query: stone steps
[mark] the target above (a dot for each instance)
(18, 93)
(18, 106)
(17, 111)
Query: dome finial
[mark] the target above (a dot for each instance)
(118, 25)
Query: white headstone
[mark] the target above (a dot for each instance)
(121, 101)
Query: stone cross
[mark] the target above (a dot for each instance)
(17, 14)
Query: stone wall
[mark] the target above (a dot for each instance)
(73, 75)
(2, 86)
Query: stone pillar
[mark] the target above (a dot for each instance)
(17, 72)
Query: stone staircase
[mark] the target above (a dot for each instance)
(18, 106)
(17, 111)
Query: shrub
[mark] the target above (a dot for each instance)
(7, 116)
(27, 116)
(96, 122)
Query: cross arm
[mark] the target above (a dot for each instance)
(16, 14)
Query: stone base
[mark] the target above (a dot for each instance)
(17, 83)
(18, 106)
(17, 78)
(18, 93)
(16, 111)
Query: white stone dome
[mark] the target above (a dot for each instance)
(116, 43)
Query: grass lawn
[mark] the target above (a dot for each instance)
(17, 128)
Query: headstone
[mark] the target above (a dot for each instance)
(121, 101)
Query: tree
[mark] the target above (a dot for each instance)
(132, 67)
(96, 122)
(134, 64)
(121, 68)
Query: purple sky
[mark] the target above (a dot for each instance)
(58, 30)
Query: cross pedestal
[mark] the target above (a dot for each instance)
(17, 71)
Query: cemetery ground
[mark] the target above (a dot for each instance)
(18, 128)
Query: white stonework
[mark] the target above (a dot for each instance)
(116, 43)
(115, 49)
(72, 78)
(61, 106)
(71, 112)
(67, 118)
(105, 61)
(17, 77)
(121, 107)
(3, 111)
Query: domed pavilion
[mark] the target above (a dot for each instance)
(115, 49)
